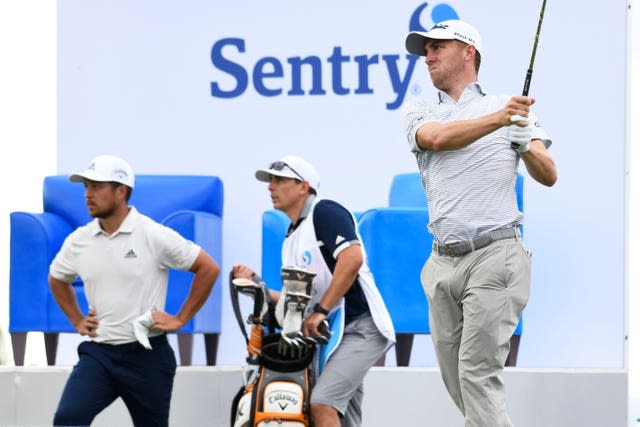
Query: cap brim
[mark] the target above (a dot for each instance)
(265, 175)
(89, 174)
(415, 42)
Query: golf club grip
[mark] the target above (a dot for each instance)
(527, 82)
(257, 304)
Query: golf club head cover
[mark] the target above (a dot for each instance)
(257, 290)
(297, 286)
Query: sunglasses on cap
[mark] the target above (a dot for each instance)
(278, 166)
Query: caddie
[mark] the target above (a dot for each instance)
(323, 238)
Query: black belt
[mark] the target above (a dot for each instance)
(466, 246)
(135, 345)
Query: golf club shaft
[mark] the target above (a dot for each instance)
(527, 80)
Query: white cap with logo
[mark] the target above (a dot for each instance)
(291, 167)
(106, 168)
(453, 29)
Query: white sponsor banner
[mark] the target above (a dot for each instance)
(224, 88)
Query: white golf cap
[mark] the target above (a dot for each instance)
(106, 168)
(446, 30)
(291, 167)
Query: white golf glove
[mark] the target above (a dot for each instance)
(520, 137)
(141, 327)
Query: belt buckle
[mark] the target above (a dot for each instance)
(448, 251)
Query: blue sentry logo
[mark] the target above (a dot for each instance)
(268, 73)
(306, 258)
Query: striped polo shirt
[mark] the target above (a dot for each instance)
(470, 191)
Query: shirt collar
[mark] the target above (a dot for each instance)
(127, 226)
(304, 212)
(472, 90)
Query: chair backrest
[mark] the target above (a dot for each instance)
(156, 196)
(406, 190)
(397, 244)
(274, 228)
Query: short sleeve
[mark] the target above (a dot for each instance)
(174, 250)
(538, 130)
(334, 226)
(415, 113)
(63, 265)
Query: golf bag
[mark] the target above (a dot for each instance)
(277, 377)
(278, 394)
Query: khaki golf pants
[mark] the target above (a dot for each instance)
(475, 301)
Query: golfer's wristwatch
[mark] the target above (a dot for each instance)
(317, 308)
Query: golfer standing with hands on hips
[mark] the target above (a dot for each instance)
(468, 145)
(123, 258)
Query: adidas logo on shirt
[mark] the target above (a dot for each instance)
(130, 254)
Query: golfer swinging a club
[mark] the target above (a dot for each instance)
(468, 145)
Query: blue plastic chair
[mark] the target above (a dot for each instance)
(397, 244)
(406, 190)
(191, 205)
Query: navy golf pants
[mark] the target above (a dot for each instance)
(142, 378)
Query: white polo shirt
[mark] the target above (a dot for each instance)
(124, 274)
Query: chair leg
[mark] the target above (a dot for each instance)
(512, 357)
(185, 346)
(18, 343)
(404, 344)
(211, 348)
(51, 347)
